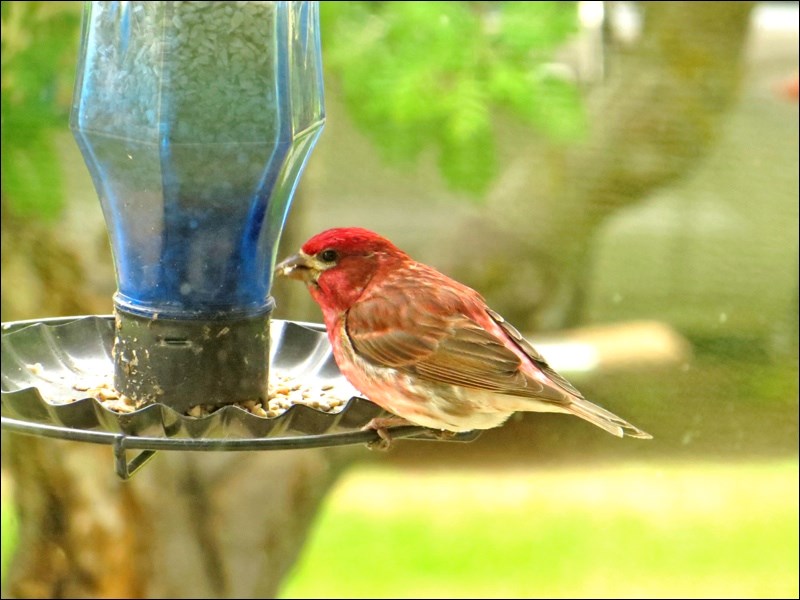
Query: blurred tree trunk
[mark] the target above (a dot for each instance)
(651, 122)
(189, 525)
(40, 276)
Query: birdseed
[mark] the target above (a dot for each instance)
(284, 391)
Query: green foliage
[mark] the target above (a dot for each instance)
(39, 50)
(418, 75)
(415, 76)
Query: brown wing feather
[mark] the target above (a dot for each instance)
(401, 332)
(533, 354)
(577, 405)
(472, 357)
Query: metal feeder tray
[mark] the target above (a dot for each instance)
(42, 360)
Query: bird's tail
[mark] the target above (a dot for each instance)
(606, 420)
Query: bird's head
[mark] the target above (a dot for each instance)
(338, 264)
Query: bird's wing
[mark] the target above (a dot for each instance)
(405, 334)
(531, 352)
(577, 404)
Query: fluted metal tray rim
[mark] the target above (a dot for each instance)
(63, 344)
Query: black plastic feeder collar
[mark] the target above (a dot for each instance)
(186, 362)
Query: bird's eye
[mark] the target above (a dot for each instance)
(329, 255)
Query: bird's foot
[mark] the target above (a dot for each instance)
(381, 425)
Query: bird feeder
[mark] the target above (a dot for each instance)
(195, 120)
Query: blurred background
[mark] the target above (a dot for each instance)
(620, 181)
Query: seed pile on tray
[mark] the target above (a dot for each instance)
(285, 390)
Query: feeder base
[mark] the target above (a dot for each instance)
(183, 363)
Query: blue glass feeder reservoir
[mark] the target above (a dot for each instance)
(195, 120)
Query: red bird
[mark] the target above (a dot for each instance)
(425, 347)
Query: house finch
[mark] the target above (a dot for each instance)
(423, 346)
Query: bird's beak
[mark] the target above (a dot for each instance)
(300, 266)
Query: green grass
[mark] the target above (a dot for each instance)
(664, 531)
(8, 533)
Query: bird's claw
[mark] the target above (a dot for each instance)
(381, 425)
(382, 443)
(443, 435)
